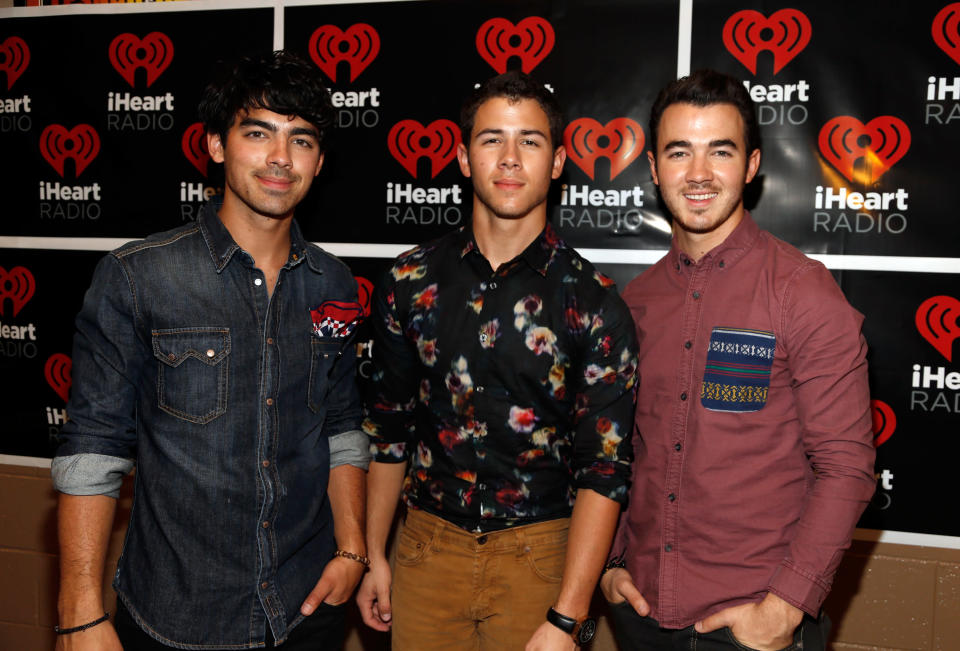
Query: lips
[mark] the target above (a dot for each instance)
(275, 182)
(508, 184)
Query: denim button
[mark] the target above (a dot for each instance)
(481, 540)
(265, 463)
(269, 401)
(264, 585)
(265, 525)
(210, 352)
(270, 341)
(257, 282)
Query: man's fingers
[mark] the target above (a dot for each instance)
(316, 596)
(714, 621)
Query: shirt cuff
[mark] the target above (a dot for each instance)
(89, 474)
(798, 588)
(350, 448)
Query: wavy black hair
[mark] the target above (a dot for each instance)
(279, 81)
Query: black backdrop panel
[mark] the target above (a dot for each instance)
(101, 151)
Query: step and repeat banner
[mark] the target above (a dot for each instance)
(859, 104)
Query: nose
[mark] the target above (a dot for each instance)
(699, 170)
(279, 153)
(510, 154)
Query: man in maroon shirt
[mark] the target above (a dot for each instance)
(754, 455)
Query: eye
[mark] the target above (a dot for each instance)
(530, 141)
(306, 143)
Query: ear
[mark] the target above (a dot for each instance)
(464, 159)
(559, 158)
(653, 166)
(753, 164)
(215, 147)
(319, 165)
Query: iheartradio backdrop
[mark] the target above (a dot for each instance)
(859, 104)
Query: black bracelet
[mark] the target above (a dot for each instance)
(77, 629)
(617, 562)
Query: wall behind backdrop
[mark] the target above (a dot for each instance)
(859, 104)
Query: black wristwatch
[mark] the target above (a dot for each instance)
(582, 631)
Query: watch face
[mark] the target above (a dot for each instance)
(587, 630)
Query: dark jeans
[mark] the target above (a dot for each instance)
(636, 633)
(324, 629)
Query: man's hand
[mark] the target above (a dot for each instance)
(766, 626)
(373, 598)
(101, 637)
(335, 586)
(617, 586)
(550, 638)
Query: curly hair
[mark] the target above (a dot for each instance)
(279, 81)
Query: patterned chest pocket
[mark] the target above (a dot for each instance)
(737, 375)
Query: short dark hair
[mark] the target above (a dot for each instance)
(279, 81)
(514, 86)
(704, 88)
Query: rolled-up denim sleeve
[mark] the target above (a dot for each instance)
(108, 356)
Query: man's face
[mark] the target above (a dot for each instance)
(510, 157)
(701, 165)
(269, 161)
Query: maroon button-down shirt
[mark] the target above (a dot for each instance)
(754, 451)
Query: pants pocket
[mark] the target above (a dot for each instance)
(547, 560)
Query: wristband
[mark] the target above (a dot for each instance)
(77, 629)
(353, 557)
(617, 562)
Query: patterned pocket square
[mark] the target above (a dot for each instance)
(336, 319)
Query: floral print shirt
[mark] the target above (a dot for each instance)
(505, 391)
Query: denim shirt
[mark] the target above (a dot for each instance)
(226, 398)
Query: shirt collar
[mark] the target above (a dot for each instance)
(724, 254)
(538, 255)
(222, 247)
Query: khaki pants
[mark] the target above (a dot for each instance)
(461, 591)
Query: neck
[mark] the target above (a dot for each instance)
(502, 239)
(697, 245)
(266, 239)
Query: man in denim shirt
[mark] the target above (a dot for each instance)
(216, 356)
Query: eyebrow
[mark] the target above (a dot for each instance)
(272, 128)
(679, 144)
(500, 132)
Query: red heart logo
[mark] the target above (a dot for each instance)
(153, 53)
(18, 285)
(888, 139)
(14, 58)
(408, 141)
(884, 422)
(194, 145)
(81, 143)
(358, 46)
(57, 371)
(938, 321)
(531, 39)
(623, 140)
(788, 32)
(946, 30)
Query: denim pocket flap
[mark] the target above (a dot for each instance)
(208, 345)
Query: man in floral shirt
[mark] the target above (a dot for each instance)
(501, 406)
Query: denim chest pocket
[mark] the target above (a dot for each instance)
(323, 355)
(192, 375)
(737, 373)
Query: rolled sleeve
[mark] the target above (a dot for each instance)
(602, 451)
(89, 474)
(350, 449)
(391, 400)
(108, 354)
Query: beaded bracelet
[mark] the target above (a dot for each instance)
(77, 629)
(353, 557)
